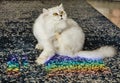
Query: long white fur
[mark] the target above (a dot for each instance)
(69, 39)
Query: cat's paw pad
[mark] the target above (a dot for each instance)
(38, 46)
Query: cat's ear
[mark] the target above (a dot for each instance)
(45, 10)
(61, 5)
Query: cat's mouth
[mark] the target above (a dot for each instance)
(61, 18)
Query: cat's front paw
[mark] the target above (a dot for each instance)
(41, 60)
(45, 56)
(38, 46)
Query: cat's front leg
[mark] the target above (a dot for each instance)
(45, 56)
(39, 46)
(47, 53)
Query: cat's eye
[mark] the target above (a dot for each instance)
(55, 14)
(61, 12)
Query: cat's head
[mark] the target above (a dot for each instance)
(56, 13)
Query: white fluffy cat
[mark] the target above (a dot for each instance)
(56, 33)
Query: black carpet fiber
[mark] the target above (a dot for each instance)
(16, 37)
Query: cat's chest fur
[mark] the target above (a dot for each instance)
(53, 28)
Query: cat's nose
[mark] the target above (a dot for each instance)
(61, 17)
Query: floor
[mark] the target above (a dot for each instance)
(110, 9)
(17, 39)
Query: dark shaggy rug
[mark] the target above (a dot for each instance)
(16, 38)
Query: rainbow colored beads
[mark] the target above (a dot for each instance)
(13, 66)
(24, 61)
(58, 65)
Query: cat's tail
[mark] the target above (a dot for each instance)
(105, 51)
